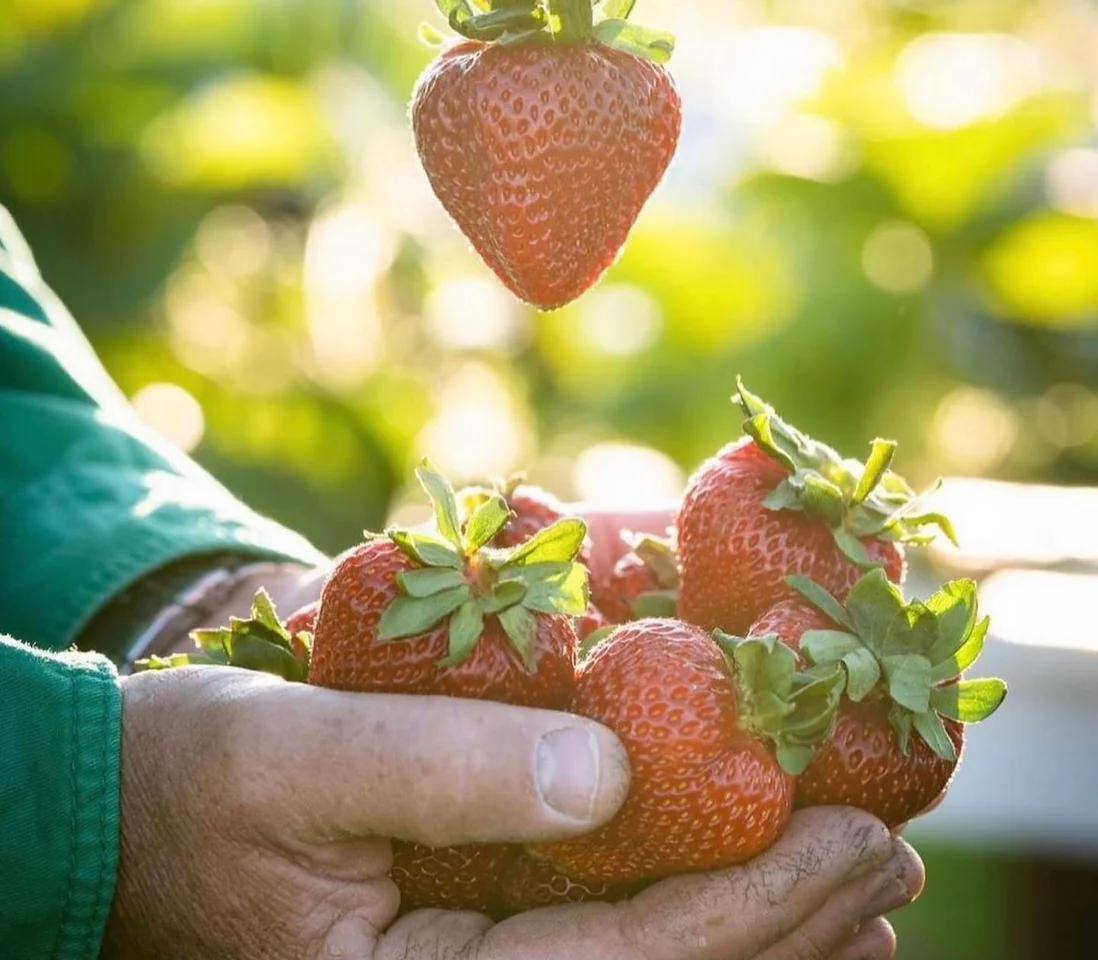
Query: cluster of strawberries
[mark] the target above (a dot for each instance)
(762, 658)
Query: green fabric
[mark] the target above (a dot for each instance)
(61, 714)
(91, 500)
(91, 503)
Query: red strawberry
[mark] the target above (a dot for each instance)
(545, 146)
(865, 767)
(899, 734)
(303, 622)
(591, 622)
(789, 621)
(644, 582)
(528, 884)
(442, 614)
(779, 503)
(697, 717)
(450, 878)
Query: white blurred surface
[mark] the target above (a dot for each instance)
(1029, 777)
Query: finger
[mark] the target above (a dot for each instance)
(875, 940)
(436, 770)
(738, 912)
(895, 884)
(605, 526)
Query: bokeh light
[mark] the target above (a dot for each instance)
(172, 412)
(898, 258)
(626, 475)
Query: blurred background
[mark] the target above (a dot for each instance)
(884, 214)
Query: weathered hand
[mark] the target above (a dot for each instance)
(256, 812)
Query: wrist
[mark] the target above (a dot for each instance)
(209, 599)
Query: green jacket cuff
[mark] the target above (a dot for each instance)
(59, 801)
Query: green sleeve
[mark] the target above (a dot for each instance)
(92, 502)
(61, 719)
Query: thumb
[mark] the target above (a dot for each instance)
(436, 770)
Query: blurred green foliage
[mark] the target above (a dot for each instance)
(884, 214)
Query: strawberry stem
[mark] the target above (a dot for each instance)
(577, 18)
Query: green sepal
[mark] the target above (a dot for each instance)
(828, 646)
(485, 522)
(504, 594)
(862, 673)
(954, 606)
(656, 604)
(969, 701)
(855, 500)
(556, 588)
(260, 643)
(794, 709)
(411, 616)
(466, 626)
(251, 651)
(426, 549)
(881, 455)
(902, 721)
(443, 502)
(908, 677)
(559, 21)
(646, 42)
(820, 599)
(874, 606)
(559, 543)
(176, 660)
(521, 626)
(963, 658)
(427, 581)
(658, 555)
(928, 724)
(459, 576)
(908, 651)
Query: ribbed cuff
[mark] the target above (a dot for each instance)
(96, 751)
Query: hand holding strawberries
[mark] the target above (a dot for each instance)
(255, 826)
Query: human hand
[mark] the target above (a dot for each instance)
(605, 526)
(256, 812)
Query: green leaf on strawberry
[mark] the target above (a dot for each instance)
(510, 22)
(854, 500)
(260, 643)
(794, 709)
(909, 653)
(459, 577)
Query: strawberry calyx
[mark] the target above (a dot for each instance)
(912, 653)
(459, 577)
(513, 22)
(793, 708)
(260, 643)
(658, 555)
(854, 499)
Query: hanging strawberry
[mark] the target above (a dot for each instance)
(543, 134)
